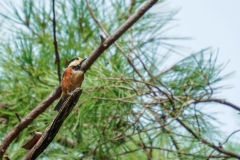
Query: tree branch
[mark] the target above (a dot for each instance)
(57, 60)
(112, 38)
(221, 101)
(230, 136)
(54, 127)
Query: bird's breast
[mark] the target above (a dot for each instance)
(71, 80)
(77, 77)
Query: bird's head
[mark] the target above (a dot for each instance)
(76, 62)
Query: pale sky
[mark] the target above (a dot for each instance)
(214, 23)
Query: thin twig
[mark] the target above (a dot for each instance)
(57, 59)
(221, 101)
(142, 144)
(220, 145)
(198, 124)
(95, 19)
(230, 136)
(18, 117)
(177, 147)
(211, 154)
(131, 8)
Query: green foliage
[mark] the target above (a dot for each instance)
(130, 108)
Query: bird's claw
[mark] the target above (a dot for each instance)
(70, 93)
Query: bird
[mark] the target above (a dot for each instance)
(72, 78)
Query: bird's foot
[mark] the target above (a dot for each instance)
(70, 93)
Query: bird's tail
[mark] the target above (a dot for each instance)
(59, 105)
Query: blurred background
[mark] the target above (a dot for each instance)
(214, 24)
(119, 114)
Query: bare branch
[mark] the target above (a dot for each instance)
(230, 136)
(33, 141)
(221, 101)
(18, 117)
(95, 19)
(57, 60)
(54, 127)
(131, 7)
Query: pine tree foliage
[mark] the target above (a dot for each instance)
(132, 106)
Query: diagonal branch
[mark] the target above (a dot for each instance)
(57, 60)
(119, 32)
(54, 127)
(230, 136)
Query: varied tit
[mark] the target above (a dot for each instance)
(72, 78)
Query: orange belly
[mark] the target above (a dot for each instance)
(71, 80)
